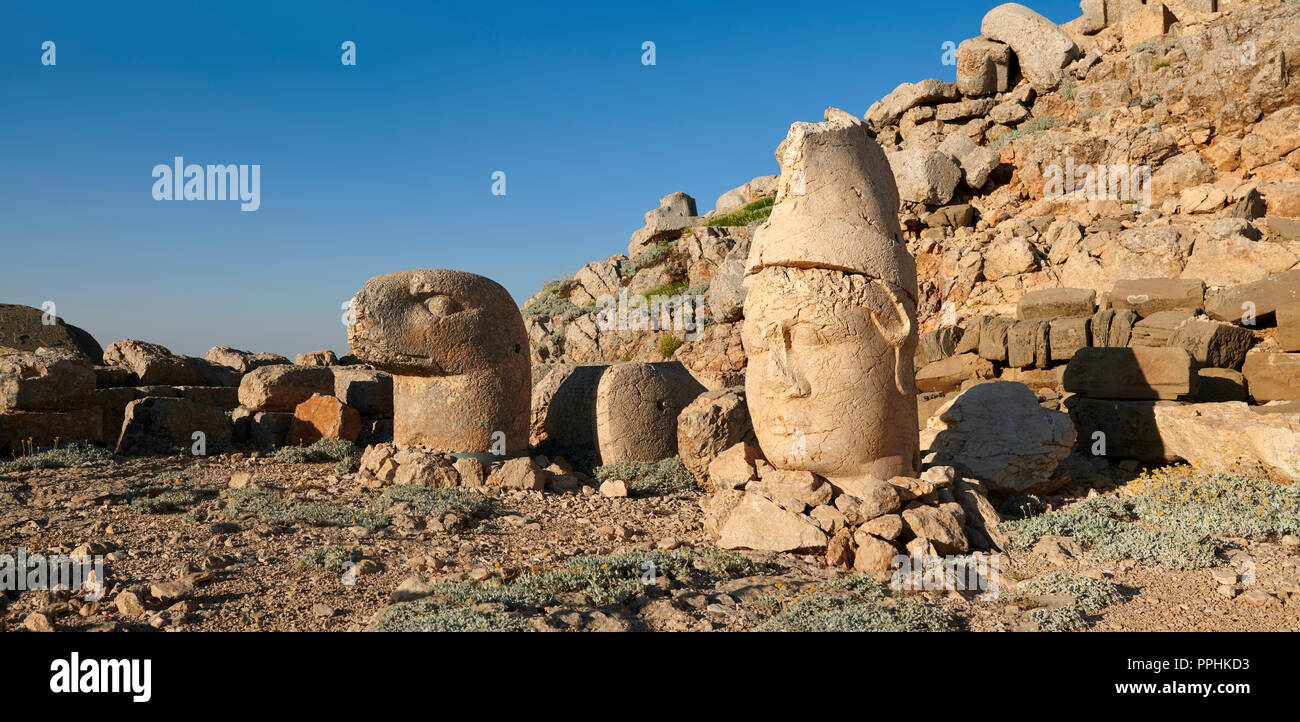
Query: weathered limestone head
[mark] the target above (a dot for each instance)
(830, 311)
(456, 346)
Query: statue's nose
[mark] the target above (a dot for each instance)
(787, 382)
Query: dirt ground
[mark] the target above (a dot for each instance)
(243, 572)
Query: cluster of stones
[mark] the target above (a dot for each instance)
(1153, 346)
(702, 262)
(138, 397)
(297, 404)
(863, 523)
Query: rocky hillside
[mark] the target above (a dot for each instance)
(1193, 105)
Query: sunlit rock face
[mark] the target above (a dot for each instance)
(830, 311)
(456, 346)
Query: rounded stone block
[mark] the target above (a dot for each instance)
(456, 346)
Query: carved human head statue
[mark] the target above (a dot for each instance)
(458, 351)
(830, 311)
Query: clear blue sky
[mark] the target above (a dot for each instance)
(387, 165)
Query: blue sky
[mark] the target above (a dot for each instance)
(387, 165)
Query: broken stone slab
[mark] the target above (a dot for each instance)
(745, 520)
(1119, 428)
(1229, 438)
(153, 365)
(242, 361)
(713, 422)
(1272, 376)
(1288, 326)
(998, 433)
(734, 467)
(160, 425)
(637, 405)
(323, 417)
(207, 373)
(1257, 301)
(792, 490)
(977, 163)
(1042, 49)
(983, 67)
(969, 342)
(906, 96)
(112, 377)
(520, 473)
(22, 431)
(1052, 302)
(1155, 330)
(1067, 335)
(1213, 343)
(1147, 21)
(1093, 19)
(924, 176)
(262, 429)
(962, 109)
(53, 380)
(282, 387)
(935, 345)
(323, 357)
(726, 295)
(1221, 385)
(1027, 344)
(1145, 296)
(942, 528)
(1131, 373)
(1037, 379)
(993, 338)
(1099, 327)
(1121, 328)
(367, 390)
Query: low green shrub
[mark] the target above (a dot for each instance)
(650, 478)
(1090, 595)
(323, 450)
(423, 501)
(1036, 124)
(668, 345)
(428, 616)
(1106, 527)
(1058, 619)
(57, 457)
(268, 507)
(325, 560)
(757, 210)
(555, 307)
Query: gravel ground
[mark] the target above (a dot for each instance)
(243, 571)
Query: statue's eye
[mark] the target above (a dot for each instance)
(441, 305)
(804, 335)
(756, 336)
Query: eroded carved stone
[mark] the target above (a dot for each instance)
(830, 311)
(457, 349)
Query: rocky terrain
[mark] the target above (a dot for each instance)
(1100, 335)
